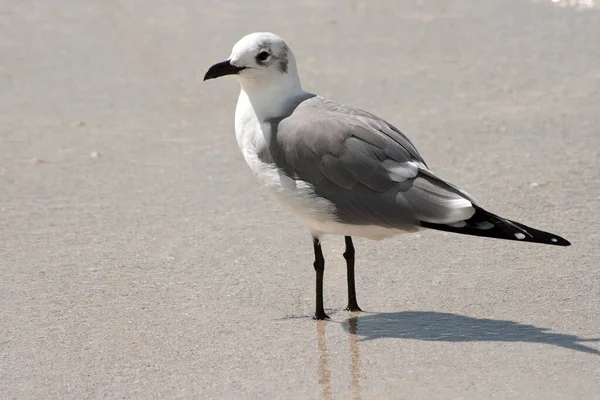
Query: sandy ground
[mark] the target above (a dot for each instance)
(139, 259)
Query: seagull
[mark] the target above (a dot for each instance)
(341, 170)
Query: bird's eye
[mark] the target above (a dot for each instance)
(263, 55)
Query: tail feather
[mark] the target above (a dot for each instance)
(486, 224)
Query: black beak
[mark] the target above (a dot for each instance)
(221, 69)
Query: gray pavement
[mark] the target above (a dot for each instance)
(139, 259)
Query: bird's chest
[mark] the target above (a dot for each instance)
(255, 141)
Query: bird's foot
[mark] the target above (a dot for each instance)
(353, 307)
(321, 316)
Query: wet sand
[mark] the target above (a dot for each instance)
(139, 259)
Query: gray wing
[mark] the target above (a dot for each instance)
(371, 120)
(370, 171)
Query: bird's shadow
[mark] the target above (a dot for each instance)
(446, 327)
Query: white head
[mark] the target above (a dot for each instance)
(259, 61)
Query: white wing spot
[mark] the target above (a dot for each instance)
(554, 240)
(519, 236)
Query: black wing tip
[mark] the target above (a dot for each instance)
(505, 230)
(548, 238)
(537, 236)
(558, 241)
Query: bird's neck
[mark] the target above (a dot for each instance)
(271, 100)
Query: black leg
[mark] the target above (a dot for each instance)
(319, 269)
(349, 256)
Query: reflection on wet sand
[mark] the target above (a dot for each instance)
(354, 357)
(355, 367)
(324, 372)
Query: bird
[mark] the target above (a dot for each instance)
(341, 170)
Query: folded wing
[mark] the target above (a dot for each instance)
(370, 171)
